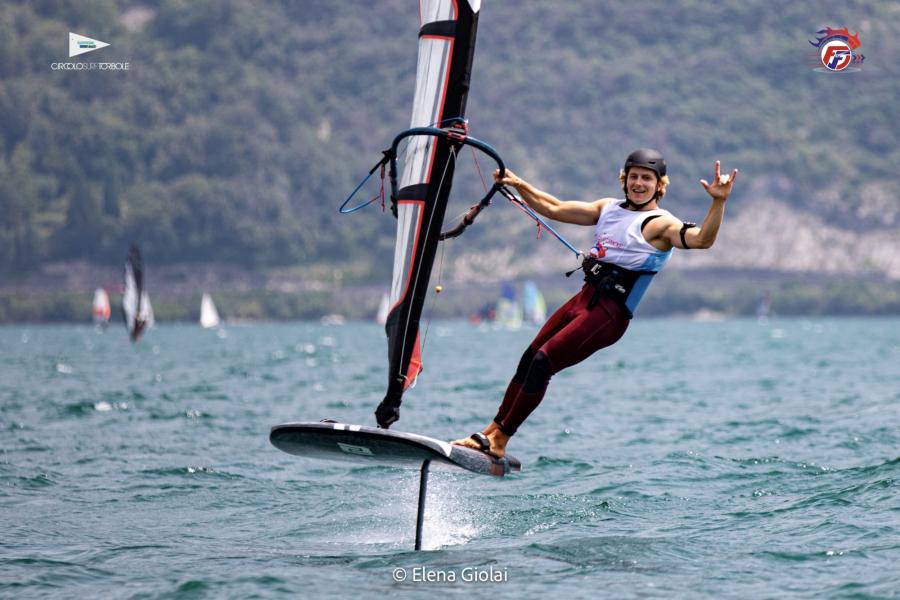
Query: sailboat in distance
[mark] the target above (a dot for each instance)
(136, 307)
(384, 308)
(100, 308)
(209, 316)
(534, 305)
(509, 313)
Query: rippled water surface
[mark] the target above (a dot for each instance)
(693, 459)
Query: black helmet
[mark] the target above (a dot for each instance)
(647, 158)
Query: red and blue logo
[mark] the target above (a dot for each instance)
(838, 50)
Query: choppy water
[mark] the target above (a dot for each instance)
(717, 459)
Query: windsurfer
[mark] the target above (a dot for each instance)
(633, 238)
(139, 325)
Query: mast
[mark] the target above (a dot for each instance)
(446, 53)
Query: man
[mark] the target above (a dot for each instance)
(634, 239)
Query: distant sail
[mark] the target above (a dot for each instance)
(146, 312)
(764, 308)
(136, 307)
(384, 307)
(533, 304)
(446, 53)
(101, 309)
(509, 311)
(209, 316)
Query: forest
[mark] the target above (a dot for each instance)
(240, 127)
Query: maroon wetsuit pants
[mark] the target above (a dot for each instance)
(569, 336)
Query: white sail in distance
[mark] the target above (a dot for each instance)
(100, 307)
(209, 316)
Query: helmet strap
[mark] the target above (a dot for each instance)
(628, 202)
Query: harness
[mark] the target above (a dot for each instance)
(611, 281)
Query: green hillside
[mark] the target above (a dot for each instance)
(240, 126)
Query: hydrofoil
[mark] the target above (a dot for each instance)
(362, 444)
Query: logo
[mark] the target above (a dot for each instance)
(351, 449)
(78, 44)
(837, 50)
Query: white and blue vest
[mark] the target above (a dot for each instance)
(618, 240)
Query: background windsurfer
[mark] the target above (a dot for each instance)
(139, 324)
(136, 308)
(633, 240)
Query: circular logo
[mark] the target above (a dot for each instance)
(836, 55)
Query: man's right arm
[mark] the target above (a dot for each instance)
(548, 205)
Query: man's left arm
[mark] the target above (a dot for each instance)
(686, 235)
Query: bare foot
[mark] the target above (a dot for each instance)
(467, 442)
(497, 439)
(470, 443)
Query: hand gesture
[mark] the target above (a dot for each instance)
(720, 188)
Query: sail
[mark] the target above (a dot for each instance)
(136, 308)
(100, 307)
(509, 311)
(446, 52)
(145, 315)
(384, 307)
(209, 316)
(534, 305)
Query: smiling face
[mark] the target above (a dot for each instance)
(641, 184)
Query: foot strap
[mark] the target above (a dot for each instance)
(483, 441)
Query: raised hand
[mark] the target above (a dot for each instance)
(721, 186)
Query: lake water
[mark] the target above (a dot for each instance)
(720, 459)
